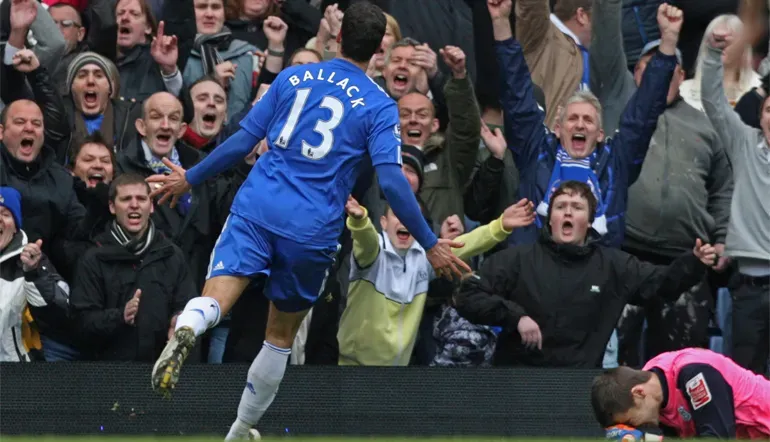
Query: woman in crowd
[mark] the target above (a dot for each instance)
(739, 77)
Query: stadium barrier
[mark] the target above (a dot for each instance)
(117, 399)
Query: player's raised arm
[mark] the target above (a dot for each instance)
(404, 204)
(385, 150)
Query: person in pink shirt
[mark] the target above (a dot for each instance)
(691, 392)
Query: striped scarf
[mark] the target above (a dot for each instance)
(134, 244)
(208, 46)
(567, 168)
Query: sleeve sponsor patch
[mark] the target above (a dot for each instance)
(698, 390)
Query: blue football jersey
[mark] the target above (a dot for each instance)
(319, 121)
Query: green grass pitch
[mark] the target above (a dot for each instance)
(285, 439)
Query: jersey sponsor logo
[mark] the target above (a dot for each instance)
(698, 390)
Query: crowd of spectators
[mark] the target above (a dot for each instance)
(605, 162)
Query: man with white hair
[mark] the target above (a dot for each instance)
(577, 149)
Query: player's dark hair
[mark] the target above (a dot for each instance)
(126, 179)
(611, 393)
(579, 188)
(95, 138)
(362, 30)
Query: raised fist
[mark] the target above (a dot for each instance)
(454, 57)
(31, 255)
(25, 61)
(721, 37)
(670, 19)
(499, 9)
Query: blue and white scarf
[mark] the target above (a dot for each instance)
(567, 168)
(157, 166)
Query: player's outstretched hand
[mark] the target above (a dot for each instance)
(705, 252)
(446, 263)
(171, 186)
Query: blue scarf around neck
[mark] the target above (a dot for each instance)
(567, 168)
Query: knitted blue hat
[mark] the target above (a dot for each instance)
(10, 198)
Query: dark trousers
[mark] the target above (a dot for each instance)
(670, 325)
(751, 324)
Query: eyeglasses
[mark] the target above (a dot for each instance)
(67, 23)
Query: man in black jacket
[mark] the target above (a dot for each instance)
(559, 299)
(92, 164)
(33, 135)
(129, 289)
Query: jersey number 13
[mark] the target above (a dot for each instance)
(323, 127)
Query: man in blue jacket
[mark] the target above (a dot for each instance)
(577, 148)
